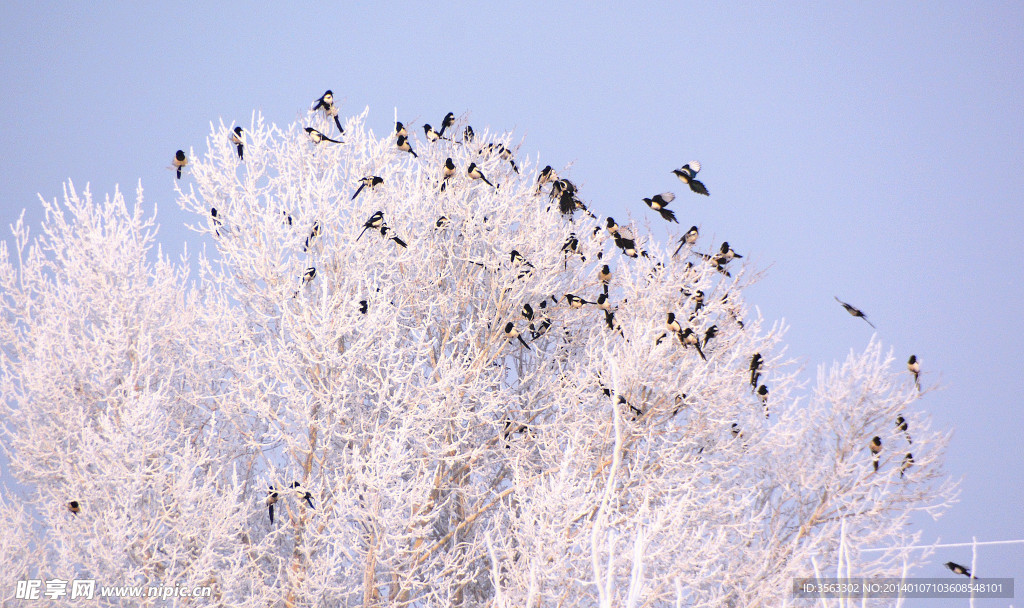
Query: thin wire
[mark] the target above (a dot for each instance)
(992, 542)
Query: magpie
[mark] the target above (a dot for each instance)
(403, 145)
(376, 221)
(908, 461)
(238, 139)
(659, 203)
(613, 324)
(612, 227)
(315, 232)
(762, 393)
(542, 328)
(547, 174)
(755, 365)
(512, 332)
(517, 258)
(179, 161)
(317, 137)
(326, 103)
(511, 427)
(575, 301)
(370, 180)
(698, 301)
(572, 245)
(637, 412)
(272, 497)
(901, 425)
(856, 312)
(687, 173)
(710, 333)
(628, 246)
(467, 134)
(726, 252)
(958, 569)
(671, 326)
(442, 222)
(690, 338)
(216, 220)
(384, 229)
(602, 302)
(309, 275)
(363, 306)
(507, 154)
(431, 134)
(915, 368)
(876, 448)
(73, 507)
(449, 171)
(528, 311)
(305, 495)
(400, 130)
(687, 239)
(475, 173)
(447, 121)
(605, 275)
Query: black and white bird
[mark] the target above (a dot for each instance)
(363, 306)
(442, 222)
(856, 312)
(628, 246)
(688, 239)
(376, 221)
(475, 173)
(74, 507)
(690, 338)
(755, 369)
(958, 569)
(602, 302)
(326, 103)
(431, 134)
(403, 145)
(605, 275)
(762, 394)
(876, 448)
(901, 425)
(908, 461)
(467, 134)
(238, 138)
(709, 333)
(671, 327)
(575, 301)
(914, 368)
(309, 275)
(317, 137)
(511, 332)
(687, 173)
(215, 220)
(385, 229)
(400, 130)
(726, 252)
(179, 161)
(447, 121)
(547, 174)
(315, 232)
(448, 172)
(272, 497)
(371, 181)
(659, 203)
(304, 495)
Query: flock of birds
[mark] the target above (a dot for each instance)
(564, 192)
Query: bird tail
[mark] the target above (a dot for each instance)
(668, 214)
(400, 242)
(358, 190)
(699, 351)
(486, 181)
(337, 122)
(179, 172)
(241, 155)
(361, 233)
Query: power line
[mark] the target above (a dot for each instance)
(978, 544)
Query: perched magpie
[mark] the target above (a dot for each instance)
(73, 507)
(687, 239)
(958, 569)
(467, 134)
(431, 134)
(216, 220)
(613, 324)
(659, 203)
(475, 173)
(876, 448)
(317, 137)
(315, 232)
(384, 232)
(309, 275)
(901, 425)
(403, 145)
(687, 173)
(326, 103)
(710, 333)
(690, 338)
(449, 120)
(542, 328)
(511, 427)
(755, 365)
(575, 301)
(602, 302)
(908, 461)
(637, 412)
(762, 393)
(179, 161)
(400, 130)
(572, 245)
(546, 175)
(449, 171)
(671, 326)
(517, 258)
(726, 252)
(914, 368)
(612, 227)
(376, 221)
(237, 138)
(305, 495)
(507, 154)
(370, 180)
(856, 312)
(698, 301)
(605, 275)
(363, 306)
(442, 222)
(272, 498)
(528, 311)
(512, 332)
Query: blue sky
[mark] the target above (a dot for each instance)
(870, 151)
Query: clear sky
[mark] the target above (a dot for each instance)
(872, 151)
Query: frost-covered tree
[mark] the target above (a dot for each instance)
(435, 386)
